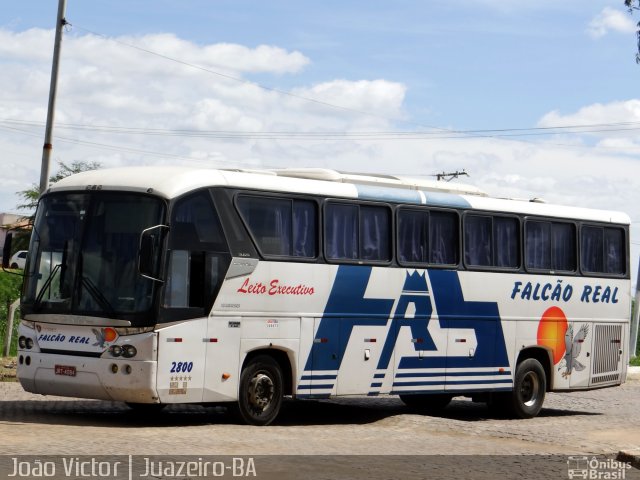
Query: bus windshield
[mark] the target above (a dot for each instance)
(84, 252)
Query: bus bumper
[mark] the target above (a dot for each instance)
(99, 378)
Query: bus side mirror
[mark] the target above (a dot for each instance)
(6, 251)
(149, 252)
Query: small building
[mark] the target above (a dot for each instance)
(12, 221)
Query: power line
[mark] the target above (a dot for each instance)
(125, 149)
(359, 135)
(497, 133)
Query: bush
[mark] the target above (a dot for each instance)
(10, 285)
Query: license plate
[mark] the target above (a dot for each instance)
(67, 370)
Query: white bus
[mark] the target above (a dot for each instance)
(158, 286)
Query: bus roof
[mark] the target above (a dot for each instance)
(171, 182)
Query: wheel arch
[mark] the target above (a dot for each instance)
(542, 355)
(282, 357)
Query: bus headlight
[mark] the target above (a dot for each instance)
(29, 343)
(22, 342)
(126, 351)
(129, 351)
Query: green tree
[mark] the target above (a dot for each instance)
(31, 195)
(635, 5)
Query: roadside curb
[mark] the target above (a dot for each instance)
(631, 456)
(633, 373)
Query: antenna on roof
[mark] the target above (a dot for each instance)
(448, 176)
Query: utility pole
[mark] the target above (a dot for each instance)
(48, 134)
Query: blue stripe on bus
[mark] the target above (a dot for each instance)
(376, 385)
(319, 377)
(454, 392)
(450, 374)
(440, 199)
(380, 375)
(386, 194)
(314, 387)
(459, 382)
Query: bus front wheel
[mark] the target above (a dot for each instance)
(529, 387)
(260, 391)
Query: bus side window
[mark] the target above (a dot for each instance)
(357, 232)
(550, 246)
(602, 250)
(427, 237)
(492, 241)
(281, 227)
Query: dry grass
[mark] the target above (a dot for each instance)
(8, 369)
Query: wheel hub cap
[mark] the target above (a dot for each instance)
(261, 391)
(530, 389)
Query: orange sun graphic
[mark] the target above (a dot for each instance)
(551, 330)
(109, 334)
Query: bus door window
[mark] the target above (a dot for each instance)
(198, 256)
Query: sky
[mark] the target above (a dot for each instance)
(532, 99)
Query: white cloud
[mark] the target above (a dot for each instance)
(103, 83)
(597, 113)
(610, 20)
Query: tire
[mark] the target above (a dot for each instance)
(261, 391)
(529, 387)
(14, 265)
(146, 408)
(434, 402)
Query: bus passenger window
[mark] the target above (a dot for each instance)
(281, 226)
(341, 231)
(357, 232)
(550, 246)
(614, 251)
(427, 237)
(443, 238)
(563, 246)
(491, 241)
(375, 231)
(506, 242)
(413, 236)
(602, 250)
(477, 240)
(538, 245)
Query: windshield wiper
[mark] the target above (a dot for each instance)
(97, 295)
(47, 285)
(62, 267)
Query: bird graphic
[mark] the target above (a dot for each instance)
(573, 346)
(100, 337)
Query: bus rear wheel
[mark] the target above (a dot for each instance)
(529, 387)
(433, 402)
(260, 391)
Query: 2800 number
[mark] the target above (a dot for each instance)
(181, 367)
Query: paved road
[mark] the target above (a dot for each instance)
(597, 422)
